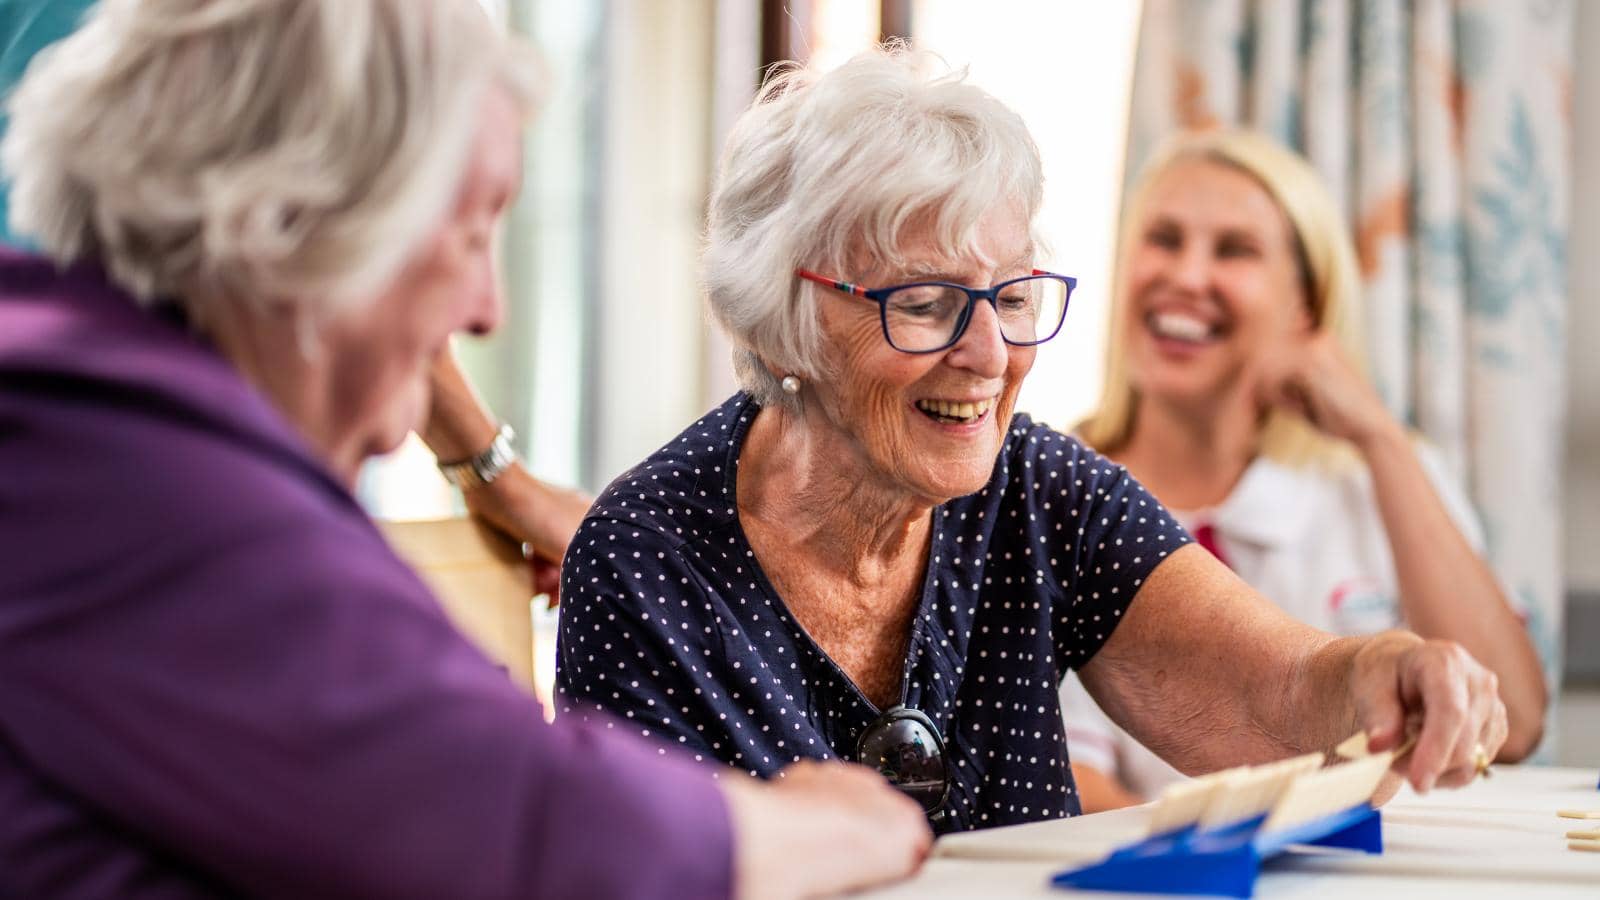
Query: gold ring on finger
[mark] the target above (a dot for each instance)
(1481, 759)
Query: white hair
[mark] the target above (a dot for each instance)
(293, 151)
(830, 172)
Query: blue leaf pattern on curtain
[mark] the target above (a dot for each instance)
(1443, 128)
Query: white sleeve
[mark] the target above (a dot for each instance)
(1091, 737)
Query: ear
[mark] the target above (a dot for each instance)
(776, 373)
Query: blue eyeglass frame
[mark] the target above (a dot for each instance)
(991, 294)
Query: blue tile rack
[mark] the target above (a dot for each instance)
(1223, 861)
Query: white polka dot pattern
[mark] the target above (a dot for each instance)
(670, 627)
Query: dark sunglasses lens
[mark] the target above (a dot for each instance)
(906, 753)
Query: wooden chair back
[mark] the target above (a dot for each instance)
(482, 581)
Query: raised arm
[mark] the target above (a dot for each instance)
(1209, 674)
(1447, 590)
(535, 512)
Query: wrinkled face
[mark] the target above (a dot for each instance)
(927, 425)
(1213, 284)
(381, 353)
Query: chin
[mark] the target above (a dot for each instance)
(392, 429)
(1187, 385)
(1168, 392)
(389, 442)
(381, 441)
(947, 480)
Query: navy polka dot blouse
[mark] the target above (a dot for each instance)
(669, 625)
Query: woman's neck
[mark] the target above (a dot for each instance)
(813, 486)
(1192, 457)
(267, 351)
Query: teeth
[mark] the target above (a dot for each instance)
(956, 410)
(1181, 326)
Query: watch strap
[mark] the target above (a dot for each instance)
(485, 467)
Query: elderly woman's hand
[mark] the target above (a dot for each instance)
(1398, 680)
(822, 828)
(542, 516)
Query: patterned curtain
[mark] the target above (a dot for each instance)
(26, 27)
(1444, 128)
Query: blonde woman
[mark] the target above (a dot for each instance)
(1235, 394)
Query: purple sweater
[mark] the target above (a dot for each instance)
(215, 677)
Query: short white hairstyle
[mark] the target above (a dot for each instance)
(284, 151)
(831, 172)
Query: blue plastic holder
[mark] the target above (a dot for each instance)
(1222, 861)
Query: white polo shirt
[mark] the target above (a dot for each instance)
(1311, 541)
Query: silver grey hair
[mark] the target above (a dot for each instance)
(291, 151)
(830, 171)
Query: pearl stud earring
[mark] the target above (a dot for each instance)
(791, 385)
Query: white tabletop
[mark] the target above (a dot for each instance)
(1498, 837)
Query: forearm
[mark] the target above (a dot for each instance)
(459, 426)
(1208, 674)
(1447, 591)
(1321, 679)
(530, 510)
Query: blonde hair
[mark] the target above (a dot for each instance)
(293, 151)
(826, 170)
(1323, 251)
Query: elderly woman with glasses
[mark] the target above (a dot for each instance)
(867, 554)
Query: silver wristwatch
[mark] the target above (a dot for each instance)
(485, 467)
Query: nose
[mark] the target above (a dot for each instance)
(1190, 268)
(981, 350)
(486, 308)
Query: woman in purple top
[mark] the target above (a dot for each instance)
(868, 554)
(261, 220)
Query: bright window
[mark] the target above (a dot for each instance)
(1067, 68)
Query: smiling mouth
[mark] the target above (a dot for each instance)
(951, 412)
(1179, 326)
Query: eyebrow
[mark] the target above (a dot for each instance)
(1241, 229)
(1238, 233)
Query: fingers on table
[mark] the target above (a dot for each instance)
(1453, 717)
(1485, 730)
